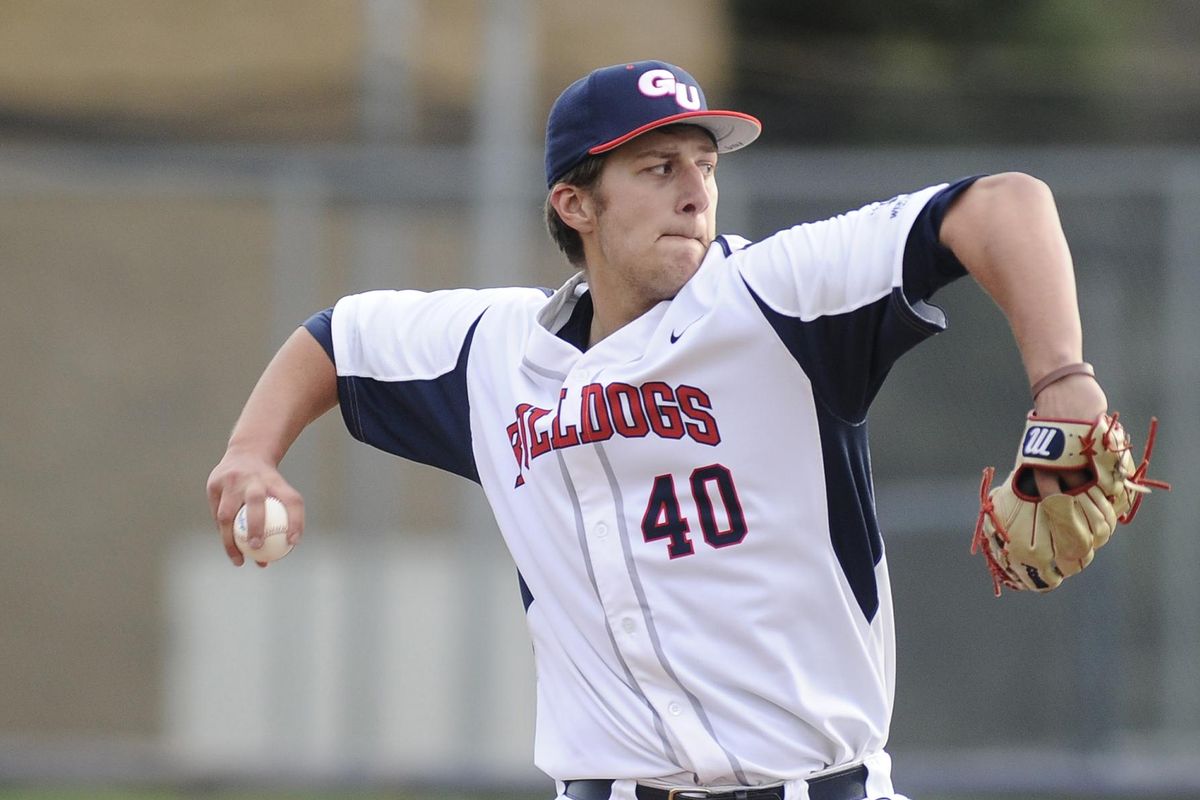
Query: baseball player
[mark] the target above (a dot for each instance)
(673, 443)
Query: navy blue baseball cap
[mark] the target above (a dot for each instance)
(612, 105)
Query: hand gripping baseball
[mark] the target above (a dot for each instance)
(1033, 542)
(239, 488)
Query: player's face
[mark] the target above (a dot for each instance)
(656, 211)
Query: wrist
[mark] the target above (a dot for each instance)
(1055, 375)
(1073, 397)
(253, 449)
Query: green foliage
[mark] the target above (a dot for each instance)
(954, 72)
(964, 22)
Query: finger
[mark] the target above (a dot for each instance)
(256, 516)
(293, 506)
(1101, 516)
(1047, 482)
(293, 503)
(1074, 478)
(1051, 482)
(213, 490)
(231, 549)
(227, 508)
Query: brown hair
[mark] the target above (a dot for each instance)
(584, 175)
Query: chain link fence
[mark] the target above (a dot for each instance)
(148, 285)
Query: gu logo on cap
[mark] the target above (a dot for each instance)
(661, 83)
(610, 106)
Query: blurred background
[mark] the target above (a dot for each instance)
(182, 183)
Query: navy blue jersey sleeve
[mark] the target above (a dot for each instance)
(320, 325)
(928, 264)
(424, 420)
(836, 292)
(402, 359)
(847, 356)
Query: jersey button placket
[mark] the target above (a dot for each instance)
(599, 509)
(598, 512)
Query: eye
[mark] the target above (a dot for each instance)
(708, 167)
(661, 168)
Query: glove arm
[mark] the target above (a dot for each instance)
(1006, 231)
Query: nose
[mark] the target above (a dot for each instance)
(694, 195)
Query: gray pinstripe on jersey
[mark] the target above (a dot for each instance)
(581, 532)
(619, 503)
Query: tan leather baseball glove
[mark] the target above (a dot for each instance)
(1031, 542)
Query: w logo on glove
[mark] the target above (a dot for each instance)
(1042, 442)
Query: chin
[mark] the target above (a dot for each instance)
(675, 276)
(690, 263)
(685, 252)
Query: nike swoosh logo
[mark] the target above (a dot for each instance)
(676, 334)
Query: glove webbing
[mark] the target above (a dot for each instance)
(987, 510)
(1138, 483)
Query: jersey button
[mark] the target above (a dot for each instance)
(629, 625)
(675, 709)
(601, 530)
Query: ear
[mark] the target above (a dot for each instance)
(575, 206)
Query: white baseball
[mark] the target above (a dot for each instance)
(275, 545)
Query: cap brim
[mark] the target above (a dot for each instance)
(732, 130)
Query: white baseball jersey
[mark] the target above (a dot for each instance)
(688, 501)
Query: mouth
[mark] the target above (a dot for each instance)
(684, 237)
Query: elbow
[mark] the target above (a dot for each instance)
(1010, 189)
(1006, 202)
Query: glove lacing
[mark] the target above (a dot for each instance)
(1138, 483)
(1000, 576)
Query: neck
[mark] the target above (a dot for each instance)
(611, 311)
